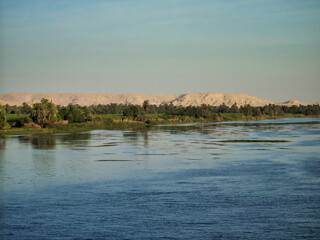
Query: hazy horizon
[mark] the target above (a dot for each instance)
(269, 49)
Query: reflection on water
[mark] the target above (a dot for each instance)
(2, 142)
(49, 141)
(178, 182)
(2, 159)
(39, 142)
(74, 138)
(135, 136)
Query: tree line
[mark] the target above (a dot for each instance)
(46, 112)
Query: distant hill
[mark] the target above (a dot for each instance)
(294, 102)
(190, 99)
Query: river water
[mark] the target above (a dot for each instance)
(173, 182)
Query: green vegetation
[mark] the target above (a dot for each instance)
(106, 117)
(46, 117)
(132, 111)
(146, 106)
(74, 114)
(3, 119)
(44, 112)
(15, 117)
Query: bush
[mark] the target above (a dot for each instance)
(109, 120)
(141, 118)
(75, 114)
(3, 120)
(44, 123)
(131, 111)
(21, 121)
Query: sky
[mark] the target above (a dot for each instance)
(264, 48)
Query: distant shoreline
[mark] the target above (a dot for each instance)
(116, 124)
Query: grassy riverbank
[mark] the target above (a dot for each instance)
(118, 122)
(154, 119)
(75, 127)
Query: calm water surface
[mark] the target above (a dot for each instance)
(175, 182)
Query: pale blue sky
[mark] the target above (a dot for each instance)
(266, 48)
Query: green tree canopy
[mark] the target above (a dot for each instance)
(146, 106)
(131, 111)
(75, 113)
(3, 119)
(25, 108)
(44, 111)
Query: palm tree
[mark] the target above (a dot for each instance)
(3, 119)
(36, 112)
(146, 106)
(45, 108)
(52, 111)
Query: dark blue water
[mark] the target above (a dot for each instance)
(177, 182)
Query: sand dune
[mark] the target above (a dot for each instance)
(190, 99)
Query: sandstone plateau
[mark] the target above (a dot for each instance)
(190, 99)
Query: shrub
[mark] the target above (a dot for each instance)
(109, 120)
(75, 114)
(43, 123)
(3, 120)
(131, 111)
(21, 121)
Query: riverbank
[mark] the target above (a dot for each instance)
(117, 122)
